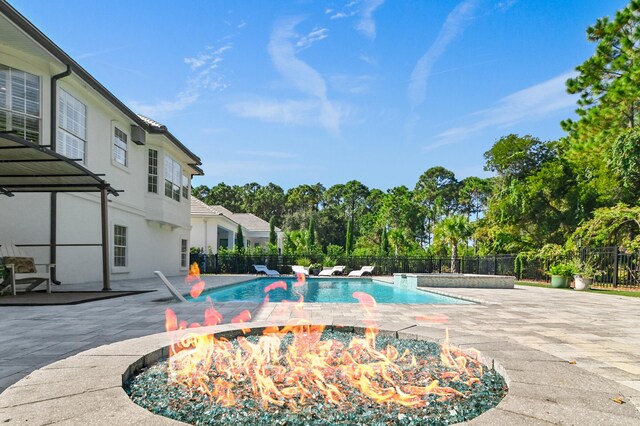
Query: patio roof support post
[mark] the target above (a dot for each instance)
(104, 208)
(53, 235)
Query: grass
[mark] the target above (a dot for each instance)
(628, 293)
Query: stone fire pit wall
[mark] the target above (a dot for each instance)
(86, 389)
(453, 280)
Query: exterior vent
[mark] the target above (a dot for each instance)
(138, 135)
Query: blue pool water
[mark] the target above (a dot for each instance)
(330, 290)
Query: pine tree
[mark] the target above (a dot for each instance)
(311, 235)
(239, 240)
(273, 238)
(384, 242)
(349, 243)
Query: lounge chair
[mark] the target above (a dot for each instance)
(336, 270)
(365, 270)
(175, 293)
(297, 269)
(22, 270)
(262, 269)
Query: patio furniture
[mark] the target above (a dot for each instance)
(262, 269)
(365, 270)
(298, 269)
(22, 270)
(174, 292)
(327, 272)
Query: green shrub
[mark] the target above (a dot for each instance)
(329, 261)
(304, 261)
(563, 269)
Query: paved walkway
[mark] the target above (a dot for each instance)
(601, 333)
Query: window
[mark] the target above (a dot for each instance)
(72, 127)
(152, 179)
(185, 187)
(20, 103)
(172, 176)
(119, 246)
(120, 146)
(183, 253)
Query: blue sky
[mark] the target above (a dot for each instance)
(329, 91)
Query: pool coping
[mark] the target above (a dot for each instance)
(87, 388)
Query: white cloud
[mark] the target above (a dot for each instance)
(163, 109)
(529, 104)
(366, 25)
(288, 112)
(316, 109)
(242, 24)
(364, 10)
(352, 85)
(505, 5)
(342, 15)
(209, 57)
(204, 76)
(452, 27)
(369, 60)
(315, 35)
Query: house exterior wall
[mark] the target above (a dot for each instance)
(205, 233)
(155, 224)
(211, 238)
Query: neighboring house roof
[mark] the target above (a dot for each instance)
(248, 221)
(38, 36)
(251, 222)
(222, 210)
(199, 208)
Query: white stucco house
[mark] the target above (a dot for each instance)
(48, 99)
(214, 226)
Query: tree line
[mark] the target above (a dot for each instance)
(358, 219)
(580, 190)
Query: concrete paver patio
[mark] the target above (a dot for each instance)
(601, 333)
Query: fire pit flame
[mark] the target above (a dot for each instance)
(309, 369)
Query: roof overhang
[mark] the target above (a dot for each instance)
(29, 167)
(29, 31)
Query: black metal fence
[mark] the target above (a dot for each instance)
(241, 264)
(616, 268)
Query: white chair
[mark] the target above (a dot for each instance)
(365, 270)
(327, 272)
(262, 269)
(22, 270)
(297, 269)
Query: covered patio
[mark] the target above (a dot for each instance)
(28, 167)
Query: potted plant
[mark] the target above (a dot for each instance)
(315, 268)
(585, 272)
(560, 274)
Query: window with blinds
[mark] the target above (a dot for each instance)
(20, 103)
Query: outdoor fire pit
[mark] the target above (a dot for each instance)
(87, 388)
(306, 374)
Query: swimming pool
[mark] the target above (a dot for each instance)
(321, 290)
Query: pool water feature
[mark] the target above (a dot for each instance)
(323, 290)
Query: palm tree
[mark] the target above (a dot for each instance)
(452, 230)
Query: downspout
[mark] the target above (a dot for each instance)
(53, 238)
